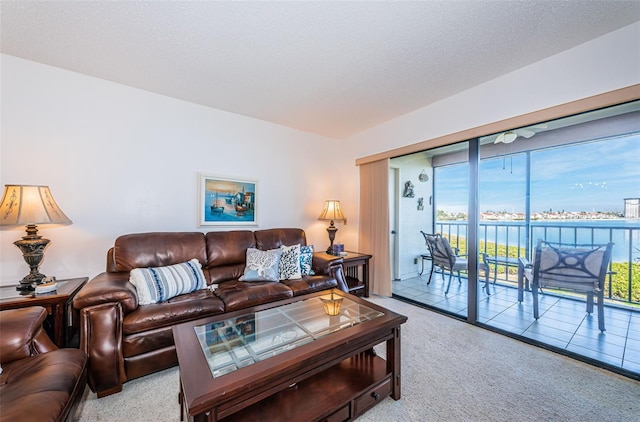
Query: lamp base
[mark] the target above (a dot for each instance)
(332, 236)
(32, 247)
(30, 281)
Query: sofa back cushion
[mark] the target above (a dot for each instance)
(227, 253)
(274, 238)
(159, 249)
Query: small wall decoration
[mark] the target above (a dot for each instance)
(227, 201)
(424, 177)
(420, 204)
(408, 190)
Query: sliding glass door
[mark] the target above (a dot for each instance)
(574, 180)
(439, 181)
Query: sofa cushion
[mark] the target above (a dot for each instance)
(261, 265)
(274, 238)
(289, 267)
(306, 260)
(309, 284)
(159, 249)
(42, 387)
(185, 307)
(228, 248)
(162, 283)
(240, 294)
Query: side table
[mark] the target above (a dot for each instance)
(356, 269)
(62, 320)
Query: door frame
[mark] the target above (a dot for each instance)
(394, 222)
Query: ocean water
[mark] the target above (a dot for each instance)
(624, 233)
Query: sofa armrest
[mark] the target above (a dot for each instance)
(23, 334)
(103, 302)
(108, 288)
(322, 263)
(101, 340)
(332, 266)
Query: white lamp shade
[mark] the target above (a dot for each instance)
(332, 211)
(30, 205)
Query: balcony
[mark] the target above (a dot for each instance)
(564, 325)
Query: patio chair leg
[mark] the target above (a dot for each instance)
(486, 279)
(534, 293)
(601, 312)
(449, 283)
(590, 303)
(430, 274)
(459, 279)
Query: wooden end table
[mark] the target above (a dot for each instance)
(62, 317)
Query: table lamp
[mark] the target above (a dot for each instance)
(30, 206)
(332, 211)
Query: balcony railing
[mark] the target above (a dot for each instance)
(515, 239)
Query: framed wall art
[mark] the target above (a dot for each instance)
(227, 201)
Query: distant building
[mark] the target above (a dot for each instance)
(631, 207)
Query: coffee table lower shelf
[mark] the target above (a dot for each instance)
(340, 393)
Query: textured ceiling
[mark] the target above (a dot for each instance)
(332, 68)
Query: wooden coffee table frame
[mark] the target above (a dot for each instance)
(336, 377)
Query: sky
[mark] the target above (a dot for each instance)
(593, 176)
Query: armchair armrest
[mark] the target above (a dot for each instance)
(23, 334)
(108, 288)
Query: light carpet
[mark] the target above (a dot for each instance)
(451, 371)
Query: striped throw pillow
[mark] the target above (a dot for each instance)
(162, 283)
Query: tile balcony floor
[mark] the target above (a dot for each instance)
(563, 323)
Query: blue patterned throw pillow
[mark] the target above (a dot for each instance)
(158, 284)
(306, 258)
(290, 262)
(261, 265)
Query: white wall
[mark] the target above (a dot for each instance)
(121, 160)
(412, 220)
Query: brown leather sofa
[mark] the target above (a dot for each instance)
(125, 341)
(39, 382)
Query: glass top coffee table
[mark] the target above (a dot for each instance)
(289, 360)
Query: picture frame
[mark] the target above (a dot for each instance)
(227, 201)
